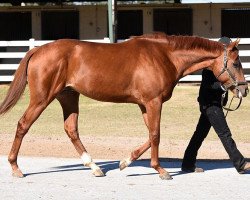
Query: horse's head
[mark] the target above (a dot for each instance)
(229, 72)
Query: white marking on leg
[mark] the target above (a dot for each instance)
(128, 161)
(87, 161)
(86, 158)
(94, 167)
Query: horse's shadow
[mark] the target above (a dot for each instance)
(167, 163)
(105, 166)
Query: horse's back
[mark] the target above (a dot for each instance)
(105, 72)
(93, 69)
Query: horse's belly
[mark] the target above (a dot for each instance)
(104, 91)
(108, 97)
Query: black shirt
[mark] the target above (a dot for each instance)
(210, 90)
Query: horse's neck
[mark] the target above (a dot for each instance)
(191, 61)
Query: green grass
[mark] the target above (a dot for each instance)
(179, 117)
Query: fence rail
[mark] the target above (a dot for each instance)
(29, 44)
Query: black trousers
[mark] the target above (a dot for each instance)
(212, 116)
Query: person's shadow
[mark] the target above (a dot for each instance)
(167, 163)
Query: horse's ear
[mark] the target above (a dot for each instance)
(237, 42)
(234, 44)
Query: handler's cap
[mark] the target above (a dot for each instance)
(225, 40)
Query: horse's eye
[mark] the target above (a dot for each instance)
(236, 65)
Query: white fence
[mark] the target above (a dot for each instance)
(33, 43)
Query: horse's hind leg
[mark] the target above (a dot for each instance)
(69, 100)
(31, 114)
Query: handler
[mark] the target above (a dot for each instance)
(212, 114)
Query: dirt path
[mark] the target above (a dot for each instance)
(110, 148)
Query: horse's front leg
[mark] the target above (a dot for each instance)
(135, 155)
(151, 115)
(140, 150)
(153, 109)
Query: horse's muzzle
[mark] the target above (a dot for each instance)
(246, 92)
(242, 91)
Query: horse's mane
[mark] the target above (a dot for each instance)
(183, 42)
(156, 35)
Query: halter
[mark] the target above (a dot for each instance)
(234, 82)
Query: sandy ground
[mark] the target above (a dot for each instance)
(110, 148)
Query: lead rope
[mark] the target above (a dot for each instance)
(228, 107)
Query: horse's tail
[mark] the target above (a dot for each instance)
(17, 86)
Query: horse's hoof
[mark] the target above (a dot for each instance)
(165, 176)
(17, 173)
(98, 173)
(123, 164)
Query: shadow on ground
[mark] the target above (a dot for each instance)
(167, 163)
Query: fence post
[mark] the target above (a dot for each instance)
(32, 43)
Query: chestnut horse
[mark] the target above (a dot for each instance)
(143, 70)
